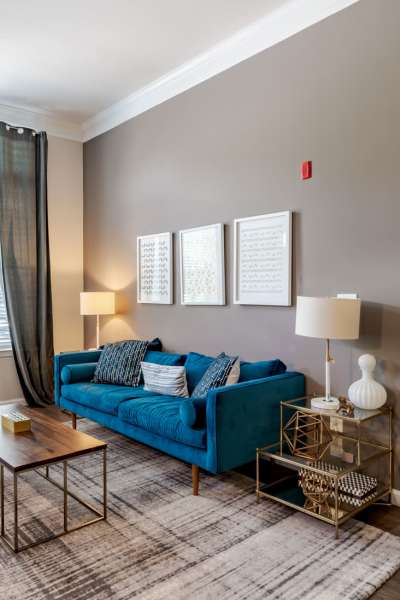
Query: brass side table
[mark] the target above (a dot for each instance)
(361, 444)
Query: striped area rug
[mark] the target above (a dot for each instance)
(160, 542)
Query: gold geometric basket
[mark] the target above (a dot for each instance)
(307, 435)
(317, 489)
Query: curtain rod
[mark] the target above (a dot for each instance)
(19, 129)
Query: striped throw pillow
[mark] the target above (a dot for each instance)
(119, 363)
(216, 375)
(165, 380)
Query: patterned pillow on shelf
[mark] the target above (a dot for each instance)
(166, 380)
(119, 363)
(217, 375)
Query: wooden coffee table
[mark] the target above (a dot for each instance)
(49, 442)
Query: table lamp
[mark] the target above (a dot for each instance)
(97, 303)
(329, 319)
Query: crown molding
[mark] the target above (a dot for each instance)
(264, 33)
(40, 120)
(279, 25)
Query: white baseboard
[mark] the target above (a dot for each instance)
(395, 497)
(12, 401)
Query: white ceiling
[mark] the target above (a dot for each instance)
(75, 58)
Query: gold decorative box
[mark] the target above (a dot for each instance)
(15, 422)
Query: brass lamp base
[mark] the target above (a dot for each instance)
(324, 404)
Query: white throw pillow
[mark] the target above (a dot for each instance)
(165, 379)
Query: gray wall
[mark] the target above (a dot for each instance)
(232, 147)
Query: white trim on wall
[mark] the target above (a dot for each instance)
(395, 497)
(275, 27)
(40, 120)
(264, 33)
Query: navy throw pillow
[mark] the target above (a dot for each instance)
(215, 376)
(119, 363)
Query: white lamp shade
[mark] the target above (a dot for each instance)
(97, 303)
(328, 318)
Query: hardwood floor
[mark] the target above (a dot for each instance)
(388, 519)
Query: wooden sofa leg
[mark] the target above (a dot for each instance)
(195, 480)
(73, 421)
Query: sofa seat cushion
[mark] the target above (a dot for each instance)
(102, 396)
(160, 415)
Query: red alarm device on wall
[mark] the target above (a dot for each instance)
(306, 169)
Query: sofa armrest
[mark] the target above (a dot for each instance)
(245, 416)
(77, 373)
(70, 358)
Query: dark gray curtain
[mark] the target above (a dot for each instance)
(25, 258)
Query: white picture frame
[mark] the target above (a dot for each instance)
(154, 269)
(202, 265)
(263, 260)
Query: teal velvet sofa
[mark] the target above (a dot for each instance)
(217, 434)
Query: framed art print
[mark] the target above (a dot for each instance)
(155, 269)
(202, 265)
(263, 259)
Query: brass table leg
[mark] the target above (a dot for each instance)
(2, 497)
(258, 476)
(65, 496)
(105, 483)
(15, 512)
(336, 508)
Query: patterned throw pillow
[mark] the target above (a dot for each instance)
(216, 375)
(119, 363)
(234, 373)
(165, 379)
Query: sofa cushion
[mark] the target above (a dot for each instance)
(215, 376)
(261, 369)
(119, 363)
(196, 365)
(164, 358)
(160, 415)
(165, 379)
(100, 396)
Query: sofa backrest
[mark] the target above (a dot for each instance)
(197, 364)
(164, 358)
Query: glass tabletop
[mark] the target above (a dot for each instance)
(360, 414)
(338, 458)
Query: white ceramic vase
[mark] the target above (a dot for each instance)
(366, 392)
